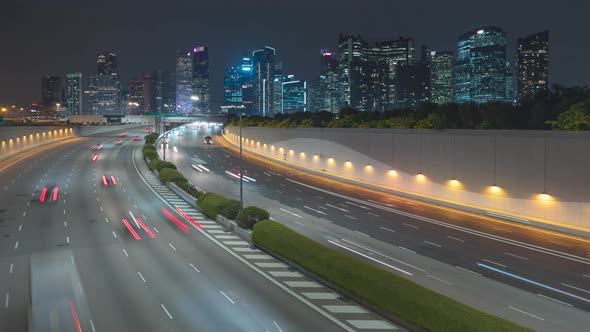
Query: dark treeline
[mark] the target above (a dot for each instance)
(558, 108)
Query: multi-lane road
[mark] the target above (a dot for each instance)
(533, 276)
(68, 262)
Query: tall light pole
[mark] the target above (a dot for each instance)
(241, 169)
(165, 144)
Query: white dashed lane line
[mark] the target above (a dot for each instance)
(166, 311)
(227, 297)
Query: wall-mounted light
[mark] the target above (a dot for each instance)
(421, 177)
(545, 197)
(347, 163)
(392, 172)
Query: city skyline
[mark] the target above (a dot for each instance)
(69, 50)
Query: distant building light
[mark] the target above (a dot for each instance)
(479, 32)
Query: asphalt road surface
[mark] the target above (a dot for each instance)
(67, 251)
(549, 266)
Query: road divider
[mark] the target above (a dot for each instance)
(388, 293)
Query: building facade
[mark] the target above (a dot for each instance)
(141, 95)
(294, 96)
(328, 82)
(480, 67)
(263, 67)
(73, 94)
(441, 77)
(103, 95)
(184, 83)
(107, 65)
(200, 79)
(351, 71)
(532, 64)
(52, 92)
(412, 81)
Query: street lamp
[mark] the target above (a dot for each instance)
(165, 145)
(241, 168)
(195, 98)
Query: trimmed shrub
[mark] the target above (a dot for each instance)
(171, 175)
(154, 163)
(249, 216)
(211, 204)
(165, 164)
(150, 154)
(151, 138)
(389, 292)
(190, 189)
(231, 209)
(149, 147)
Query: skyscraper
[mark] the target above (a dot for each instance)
(103, 95)
(184, 83)
(351, 66)
(263, 65)
(200, 79)
(329, 82)
(480, 68)
(107, 65)
(277, 88)
(532, 64)
(316, 95)
(73, 94)
(384, 57)
(412, 81)
(52, 90)
(441, 77)
(141, 95)
(237, 85)
(294, 97)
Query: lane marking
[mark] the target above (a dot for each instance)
(114, 234)
(410, 225)
(456, 238)
(363, 233)
(72, 259)
(576, 288)
(291, 213)
(155, 229)
(65, 224)
(67, 239)
(526, 313)
(170, 244)
(6, 300)
(561, 244)
(387, 229)
(552, 299)
(433, 244)
(92, 326)
(371, 258)
(166, 311)
(493, 237)
(381, 254)
(191, 264)
(337, 207)
(314, 210)
(358, 205)
(16, 245)
(406, 249)
(11, 266)
(374, 214)
(142, 278)
(227, 297)
(101, 209)
(533, 282)
(106, 219)
(443, 281)
(25, 214)
(516, 256)
(492, 262)
(125, 252)
(350, 217)
(467, 270)
(20, 228)
(278, 327)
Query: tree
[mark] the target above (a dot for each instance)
(575, 119)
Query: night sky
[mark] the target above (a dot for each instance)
(56, 37)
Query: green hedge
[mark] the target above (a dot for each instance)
(151, 138)
(150, 154)
(212, 204)
(249, 216)
(171, 175)
(190, 189)
(149, 147)
(231, 209)
(154, 163)
(389, 292)
(165, 164)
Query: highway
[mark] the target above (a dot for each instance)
(532, 276)
(66, 249)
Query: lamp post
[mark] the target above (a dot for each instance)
(165, 145)
(241, 170)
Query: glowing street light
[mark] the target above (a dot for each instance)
(195, 98)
